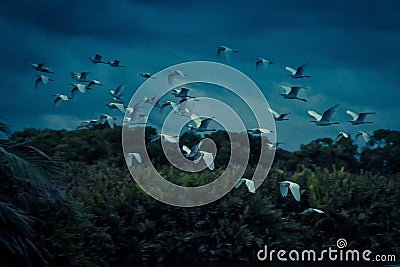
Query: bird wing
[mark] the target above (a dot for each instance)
(137, 157)
(38, 81)
(120, 107)
(293, 71)
(295, 189)
(259, 62)
(170, 138)
(204, 123)
(328, 113)
(352, 114)
(265, 130)
(250, 185)
(239, 182)
(276, 114)
(220, 50)
(362, 116)
(119, 89)
(314, 114)
(186, 149)
(128, 159)
(208, 159)
(110, 121)
(283, 115)
(197, 120)
(284, 188)
(294, 90)
(57, 101)
(299, 70)
(196, 147)
(97, 57)
(287, 88)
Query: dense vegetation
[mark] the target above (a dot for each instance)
(67, 199)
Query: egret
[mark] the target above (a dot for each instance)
(132, 111)
(96, 59)
(292, 92)
(92, 83)
(298, 73)
(114, 106)
(226, 52)
(165, 137)
(309, 210)
(42, 79)
(342, 135)
(364, 135)
(249, 183)
(201, 125)
(78, 87)
(80, 76)
(87, 124)
(181, 93)
(116, 94)
(175, 74)
(152, 100)
(258, 131)
(208, 158)
(132, 155)
(294, 188)
(193, 152)
(115, 64)
(273, 146)
(277, 116)
(40, 67)
(146, 75)
(323, 120)
(110, 120)
(261, 62)
(359, 118)
(59, 98)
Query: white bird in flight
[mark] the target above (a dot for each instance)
(96, 59)
(116, 64)
(87, 124)
(294, 188)
(258, 131)
(78, 87)
(342, 135)
(309, 210)
(40, 67)
(181, 93)
(59, 98)
(165, 137)
(146, 75)
(323, 120)
(196, 154)
(277, 116)
(109, 119)
(118, 106)
(297, 73)
(359, 118)
(226, 52)
(132, 155)
(262, 62)
(174, 75)
(80, 76)
(117, 93)
(364, 135)
(292, 92)
(201, 125)
(41, 79)
(249, 183)
(91, 83)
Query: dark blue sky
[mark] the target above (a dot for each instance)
(352, 48)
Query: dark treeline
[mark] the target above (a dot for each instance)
(67, 199)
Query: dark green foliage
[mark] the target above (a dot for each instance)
(92, 213)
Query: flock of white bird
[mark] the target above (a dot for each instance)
(81, 84)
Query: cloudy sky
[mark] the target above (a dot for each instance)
(352, 48)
